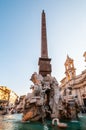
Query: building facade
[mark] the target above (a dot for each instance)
(7, 95)
(77, 83)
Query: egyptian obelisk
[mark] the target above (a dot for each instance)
(44, 61)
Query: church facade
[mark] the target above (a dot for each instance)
(77, 83)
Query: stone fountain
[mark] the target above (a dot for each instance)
(43, 102)
(47, 102)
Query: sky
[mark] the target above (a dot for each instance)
(20, 39)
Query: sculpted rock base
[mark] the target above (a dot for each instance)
(45, 101)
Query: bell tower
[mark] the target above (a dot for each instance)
(69, 68)
(44, 61)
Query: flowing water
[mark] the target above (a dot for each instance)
(13, 122)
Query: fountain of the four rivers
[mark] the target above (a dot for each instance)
(45, 108)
